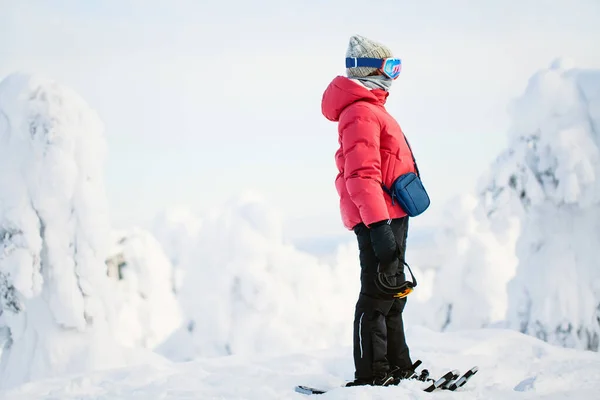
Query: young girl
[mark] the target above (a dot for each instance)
(372, 152)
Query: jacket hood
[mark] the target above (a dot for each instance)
(342, 92)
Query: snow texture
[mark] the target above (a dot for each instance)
(511, 366)
(54, 305)
(550, 179)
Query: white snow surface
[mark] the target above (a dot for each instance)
(512, 366)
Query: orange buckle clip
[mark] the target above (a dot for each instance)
(404, 293)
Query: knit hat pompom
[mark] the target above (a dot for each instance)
(360, 46)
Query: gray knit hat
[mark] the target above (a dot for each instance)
(360, 46)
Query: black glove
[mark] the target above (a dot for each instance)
(385, 247)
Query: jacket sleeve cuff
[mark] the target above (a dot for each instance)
(379, 223)
(370, 216)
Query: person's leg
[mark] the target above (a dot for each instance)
(398, 352)
(370, 339)
(370, 331)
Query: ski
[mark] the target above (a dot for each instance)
(439, 383)
(463, 379)
(451, 380)
(308, 390)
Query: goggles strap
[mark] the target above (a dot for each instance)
(354, 62)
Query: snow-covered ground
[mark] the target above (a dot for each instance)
(512, 366)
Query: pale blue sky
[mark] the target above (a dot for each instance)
(203, 98)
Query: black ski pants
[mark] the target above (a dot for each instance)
(379, 341)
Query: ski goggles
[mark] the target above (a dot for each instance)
(390, 67)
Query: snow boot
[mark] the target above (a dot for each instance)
(409, 373)
(384, 380)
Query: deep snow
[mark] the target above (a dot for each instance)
(512, 366)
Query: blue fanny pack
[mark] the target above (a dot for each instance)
(409, 192)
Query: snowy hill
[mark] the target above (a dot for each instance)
(512, 366)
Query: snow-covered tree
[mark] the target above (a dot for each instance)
(550, 178)
(176, 229)
(148, 309)
(54, 309)
(245, 290)
(469, 288)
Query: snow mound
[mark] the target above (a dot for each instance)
(511, 366)
(55, 305)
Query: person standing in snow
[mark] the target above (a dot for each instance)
(372, 152)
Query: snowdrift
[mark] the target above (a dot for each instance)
(512, 366)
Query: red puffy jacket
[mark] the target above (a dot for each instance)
(372, 150)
